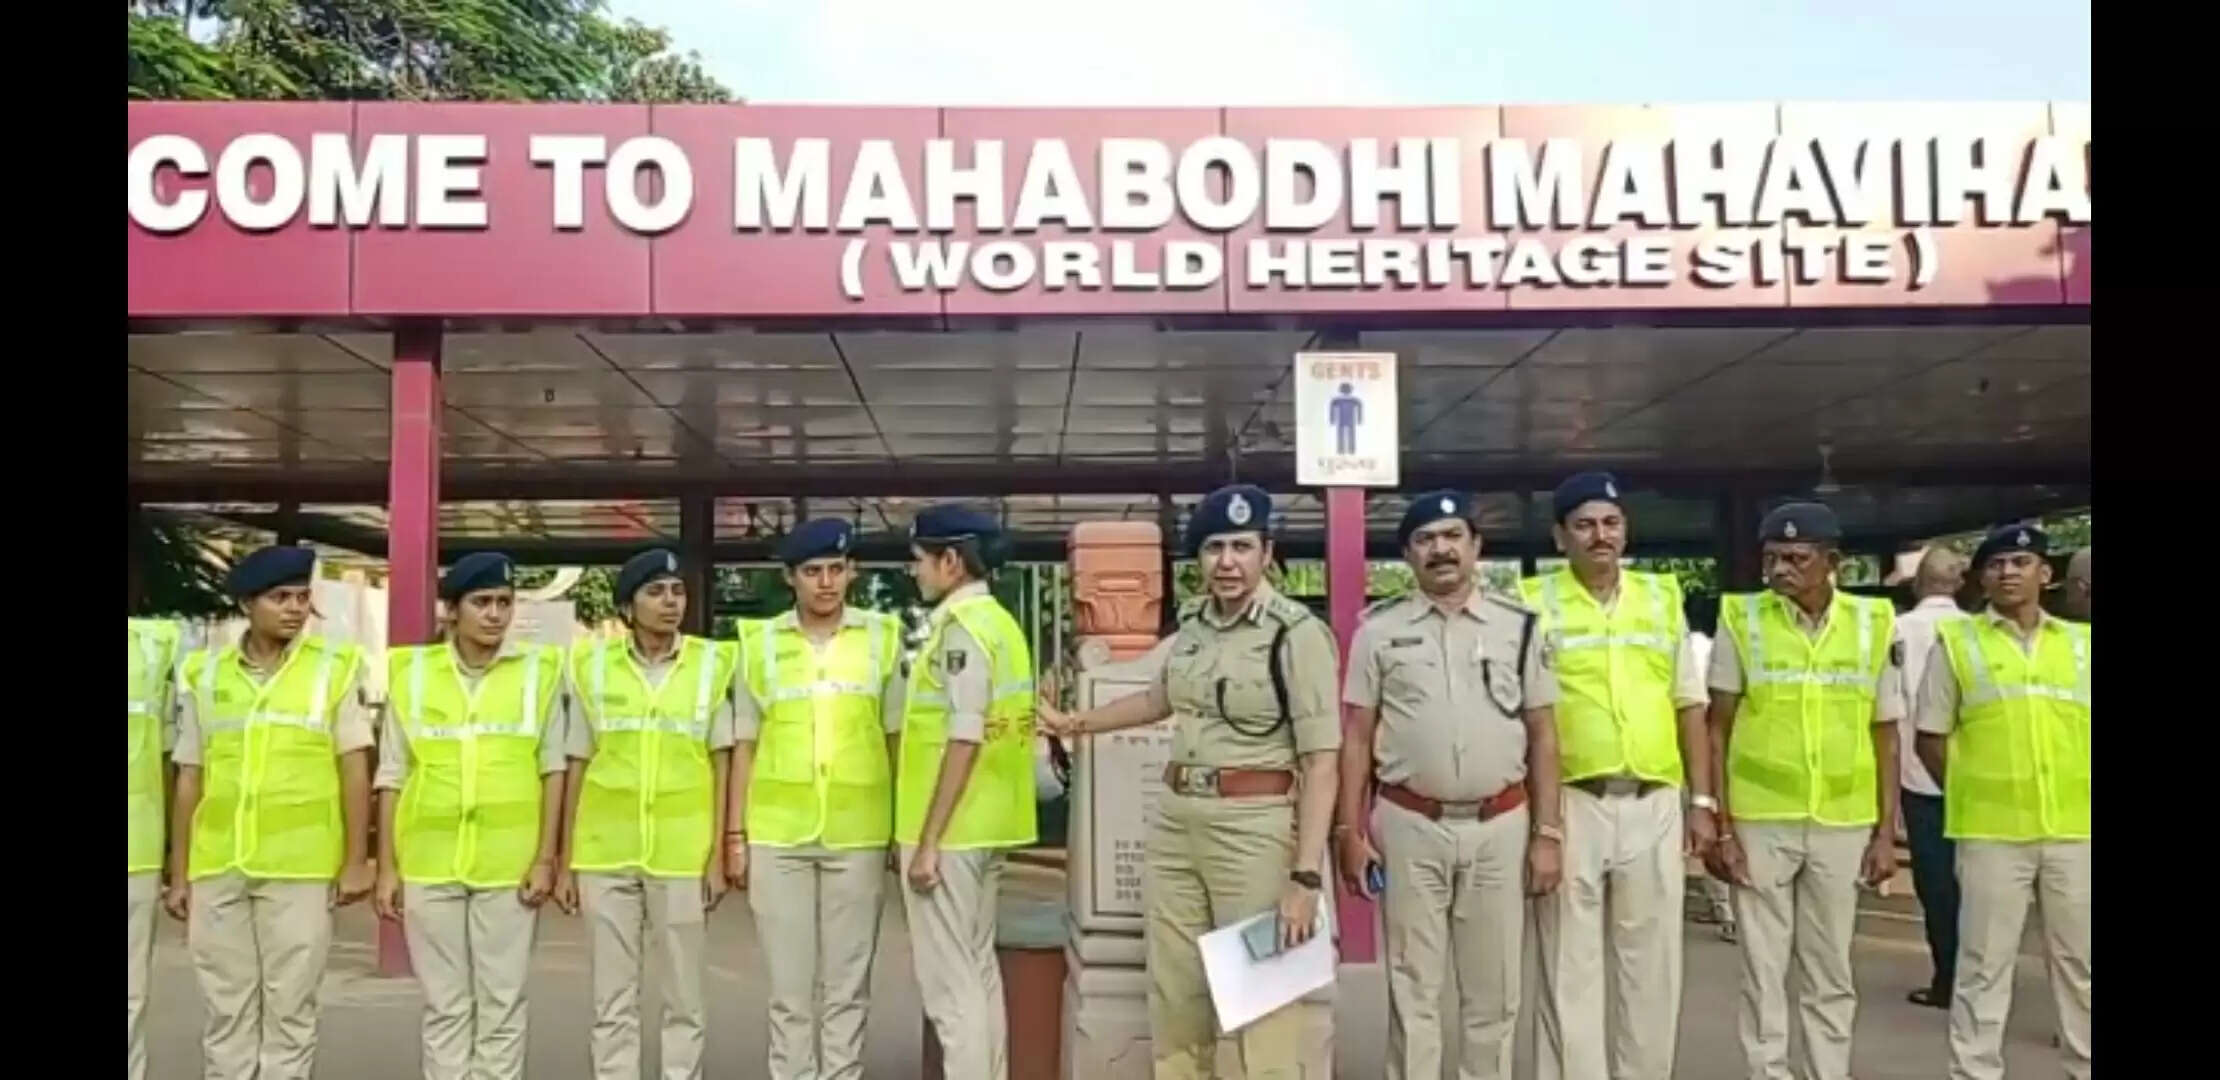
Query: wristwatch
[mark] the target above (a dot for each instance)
(1550, 832)
(1308, 879)
(1705, 802)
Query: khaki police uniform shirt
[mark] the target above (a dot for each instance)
(1207, 649)
(747, 712)
(1452, 692)
(581, 739)
(393, 741)
(1888, 703)
(353, 730)
(1937, 709)
(965, 671)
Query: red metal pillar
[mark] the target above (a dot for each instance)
(1345, 594)
(412, 527)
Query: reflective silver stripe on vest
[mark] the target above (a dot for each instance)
(672, 725)
(531, 721)
(824, 686)
(150, 657)
(1659, 642)
(1590, 641)
(1753, 631)
(416, 691)
(1986, 690)
(702, 703)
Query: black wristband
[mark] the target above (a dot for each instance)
(1308, 879)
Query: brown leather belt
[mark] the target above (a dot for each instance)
(1604, 787)
(1508, 799)
(1211, 782)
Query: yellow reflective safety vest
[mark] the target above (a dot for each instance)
(150, 653)
(997, 808)
(470, 808)
(648, 797)
(1615, 712)
(821, 774)
(2019, 750)
(269, 804)
(1802, 748)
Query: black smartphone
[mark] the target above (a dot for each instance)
(1375, 877)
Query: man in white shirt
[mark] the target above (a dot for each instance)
(1934, 874)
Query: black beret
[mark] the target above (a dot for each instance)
(268, 568)
(949, 522)
(645, 567)
(1233, 508)
(815, 539)
(1805, 521)
(479, 570)
(2011, 538)
(1431, 507)
(1582, 488)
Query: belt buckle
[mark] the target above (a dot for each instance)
(1461, 810)
(1195, 779)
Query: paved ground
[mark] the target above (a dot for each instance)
(369, 1024)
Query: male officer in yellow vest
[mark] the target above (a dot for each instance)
(1454, 729)
(1806, 694)
(2004, 725)
(1631, 736)
(150, 658)
(273, 790)
(816, 708)
(470, 781)
(964, 790)
(644, 804)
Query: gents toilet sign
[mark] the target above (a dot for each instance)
(1347, 430)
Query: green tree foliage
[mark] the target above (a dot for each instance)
(404, 50)
(184, 574)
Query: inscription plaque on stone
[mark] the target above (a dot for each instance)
(1128, 773)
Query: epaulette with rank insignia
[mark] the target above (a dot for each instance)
(1378, 606)
(1287, 610)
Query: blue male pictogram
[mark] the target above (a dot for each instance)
(1345, 412)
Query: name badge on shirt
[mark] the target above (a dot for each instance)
(1405, 642)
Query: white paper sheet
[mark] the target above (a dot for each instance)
(1244, 990)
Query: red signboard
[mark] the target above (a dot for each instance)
(693, 211)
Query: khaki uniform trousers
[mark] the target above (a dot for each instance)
(1995, 883)
(259, 948)
(959, 976)
(1612, 930)
(145, 890)
(472, 950)
(817, 915)
(1802, 900)
(623, 909)
(1213, 862)
(1456, 896)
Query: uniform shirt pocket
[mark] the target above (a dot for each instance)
(1410, 677)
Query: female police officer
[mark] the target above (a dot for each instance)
(470, 788)
(1249, 683)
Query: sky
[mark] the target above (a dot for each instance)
(1380, 52)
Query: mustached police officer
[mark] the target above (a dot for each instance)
(1806, 696)
(1454, 731)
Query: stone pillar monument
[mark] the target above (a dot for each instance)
(1118, 593)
